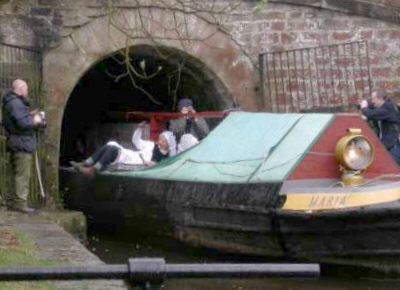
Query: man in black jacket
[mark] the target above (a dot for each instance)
(20, 125)
(381, 110)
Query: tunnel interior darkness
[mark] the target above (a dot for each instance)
(158, 78)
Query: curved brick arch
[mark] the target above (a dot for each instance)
(93, 42)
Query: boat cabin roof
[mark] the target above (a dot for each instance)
(244, 148)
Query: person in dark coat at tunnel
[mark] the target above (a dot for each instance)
(20, 125)
(384, 114)
(188, 124)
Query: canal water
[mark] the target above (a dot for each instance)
(116, 248)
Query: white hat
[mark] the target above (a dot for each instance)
(169, 135)
(187, 141)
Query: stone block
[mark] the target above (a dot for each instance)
(382, 72)
(41, 11)
(342, 36)
(72, 17)
(278, 26)
(74, 222)
(273, 15)
(49, 2)
(57, 21)
(366, 34)
(95, 12)
(287, 38)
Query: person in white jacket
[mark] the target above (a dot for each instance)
(148, 153)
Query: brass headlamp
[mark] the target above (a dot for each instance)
(355, 153)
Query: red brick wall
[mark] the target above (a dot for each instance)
(275, 27)
(279, 27)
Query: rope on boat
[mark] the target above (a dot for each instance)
(383, 176)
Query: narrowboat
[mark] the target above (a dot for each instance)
(312, 187)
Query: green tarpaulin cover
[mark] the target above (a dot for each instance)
(245, 147)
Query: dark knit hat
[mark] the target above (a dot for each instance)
(184, 103)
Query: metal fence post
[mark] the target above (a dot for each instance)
(146, 273)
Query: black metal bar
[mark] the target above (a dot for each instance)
(242, 270)
(304, 78)
(64, 273)
(361, 70)
(155, 270)
(311, 78)
(268, 77)
(276, 84)
(331, 73)
(317, 75)
(353, 65)
(261, 63)
(340, 76)
(346, 75)
(290, 81)
(297, 80)
(369, 73)
(282, 83)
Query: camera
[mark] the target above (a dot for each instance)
(43, 122)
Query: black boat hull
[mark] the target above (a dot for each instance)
(239, 218)
(229, 217)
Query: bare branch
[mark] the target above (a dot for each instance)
(183, 16)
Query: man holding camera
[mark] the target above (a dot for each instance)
(385, 116)
(188, 124)
(20, 125)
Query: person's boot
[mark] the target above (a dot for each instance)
(22, 208)
(76, 165)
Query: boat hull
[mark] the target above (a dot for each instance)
(229, 217)
(240, 218)
(360, 237)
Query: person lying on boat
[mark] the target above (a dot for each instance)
(148, 153)
(384, 113)
(196, 126)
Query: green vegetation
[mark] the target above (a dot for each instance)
(261, 5)
(17, 249)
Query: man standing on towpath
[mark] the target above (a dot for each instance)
(20, 125)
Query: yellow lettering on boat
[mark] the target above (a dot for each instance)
(325, 200)
(330, 201)
(337, 200)
(314, 201)
(322, 202)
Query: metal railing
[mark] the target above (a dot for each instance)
(326, 78)
(23, 63)
(155, 271)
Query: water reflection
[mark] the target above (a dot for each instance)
(117, 248)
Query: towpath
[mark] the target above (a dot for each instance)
(52, 243)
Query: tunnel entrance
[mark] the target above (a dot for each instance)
(151, 79)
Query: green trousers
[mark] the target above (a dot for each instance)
(21, 168)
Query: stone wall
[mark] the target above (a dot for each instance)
(275, 27)
(72, 35)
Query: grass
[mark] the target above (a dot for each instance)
(16, 249)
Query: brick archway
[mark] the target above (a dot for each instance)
(64, 65)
